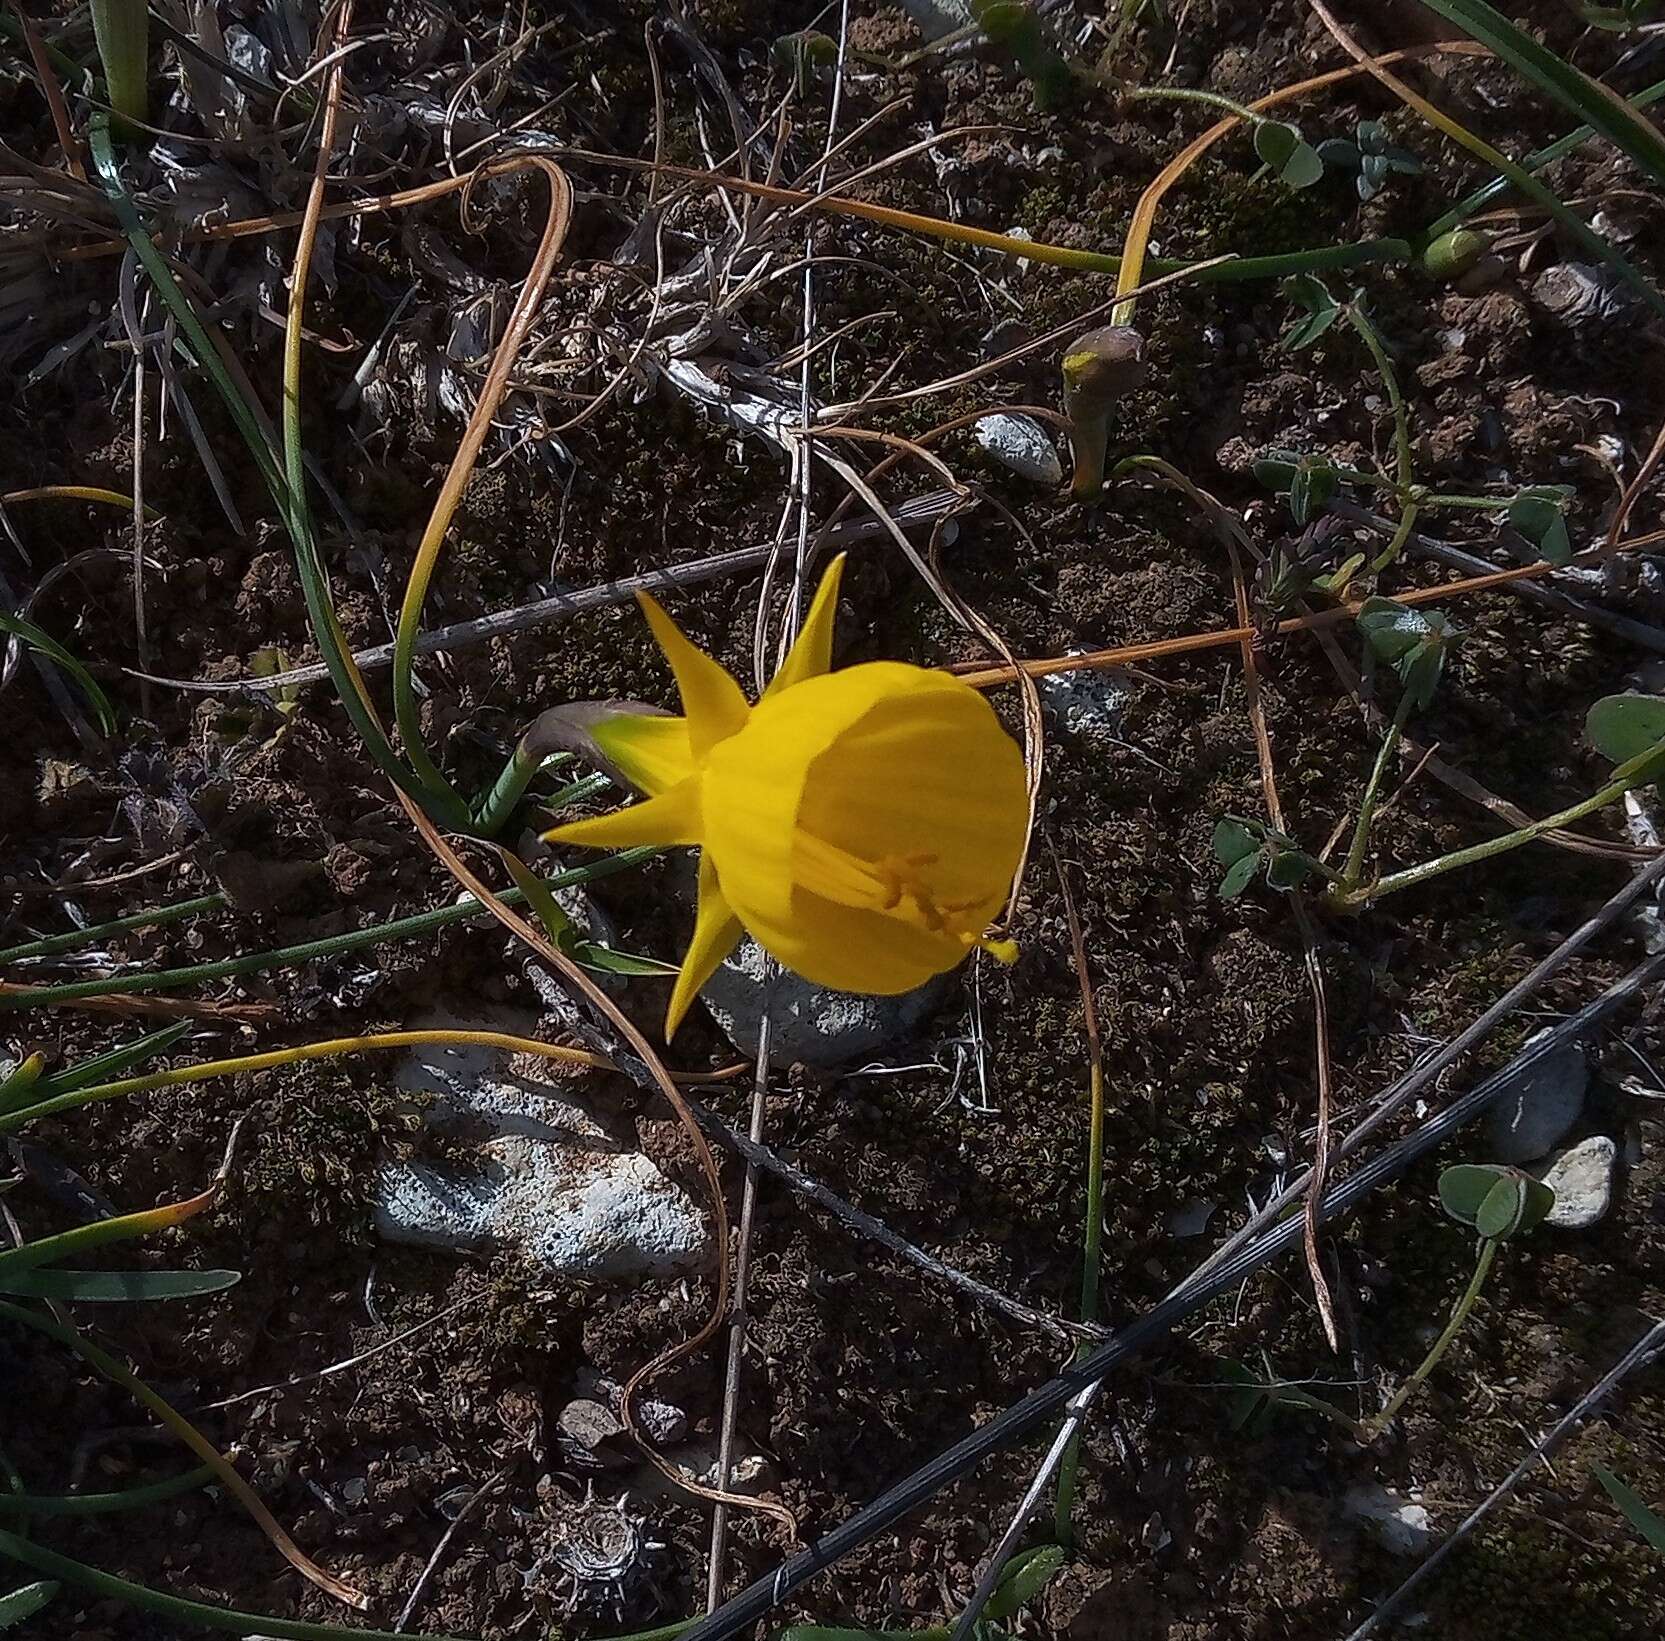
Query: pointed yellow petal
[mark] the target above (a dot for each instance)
(811, 655)
(652, 753)
(713, 702)
(670, 818)
(716, 933)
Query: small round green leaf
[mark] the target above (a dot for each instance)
(1503, 1209)
(1622, 727)
(1464, 1187)
(1238, 878)
(1277, 469)
(1233, 840)
(1288, 869)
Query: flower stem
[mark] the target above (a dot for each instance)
(1092, 1255)
(1354, 868)
(53, 944)
(122, 30)
(1488, 1252)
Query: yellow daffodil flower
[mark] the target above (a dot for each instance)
(863, 826)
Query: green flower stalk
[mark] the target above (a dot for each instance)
(122, 30)
(1098, 369)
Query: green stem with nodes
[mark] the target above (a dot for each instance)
(1535, 161)
(53, 944)
(1645, 766)
(1488, 1252)
(309, 951)
(1405, 477)
(1354, 869)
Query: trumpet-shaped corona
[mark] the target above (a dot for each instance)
(863, 826)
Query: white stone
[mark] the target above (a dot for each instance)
(1087, 703)
(545, 1179)
(1582, 1179)
(1021, 444)
(1532, 1115)
(1401, 1524)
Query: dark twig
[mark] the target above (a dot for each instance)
(477, 1497)
(1644, 1351)
(875, 1230)
(926, 509)
(1401, 1093)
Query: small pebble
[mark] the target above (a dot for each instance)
(1401, 1524)
(1582, 1179)
(811, 1024)
(1533, 1114)
(1021, 444)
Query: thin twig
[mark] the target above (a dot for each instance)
(477, 1497)
(925, 509)
(737, 1315)
(1644, 1351)
(1641, 633)
(864, 1224)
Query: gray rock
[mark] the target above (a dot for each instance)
(935, 18)
(1582, 1179)
(544, 1178)
(1401, 1524)
(1021, 444)
(810, 1024)
(1532, 1115)
(1087, 704)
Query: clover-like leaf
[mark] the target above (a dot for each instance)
(1283, 148)
(1539, 513)
(1239, 877)
(1311, 488)
(1233, 841)
(1288, 869)
(1495, 1200)
(1622, 727)
(1322, 310)
(1464, 1187)
(1413, 642)
(1516, 1202)
(1276, 469)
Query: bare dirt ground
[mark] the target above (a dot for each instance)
(859, 1368)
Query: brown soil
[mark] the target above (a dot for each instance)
(859, 1367)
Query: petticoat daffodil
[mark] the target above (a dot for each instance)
(863, 826)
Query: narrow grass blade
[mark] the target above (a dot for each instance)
(1645, 1520)
(49, 646)
(13, 1505)
(1603, 110)
(112, 1063)
(173, 1607)
(117, 1287)
(25, 1603)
